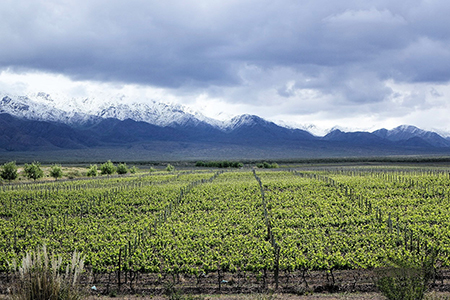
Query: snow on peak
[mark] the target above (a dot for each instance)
(243, 120)
(404, 132)
(155, 113)
(60, 108)
(338, 129)
(42, 106)
(406, 128)
(311, 128)
(24, 107)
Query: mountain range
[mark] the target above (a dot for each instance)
(42, 125)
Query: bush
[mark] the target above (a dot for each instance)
(92, 172)
(122, 169)
(108, 168)
(170, 168)
(408, 279)
(266, 165)
(73, 174)
(133, 170)
(56, 172)
(9, 171)
(219, 164)
(39, 277)
(33, 171)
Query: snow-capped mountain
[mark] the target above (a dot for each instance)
(86, 111)
(401, 132)
(82, 111)
(123, 129)
(407, 132)
(243, 120)
(155, 113)
(27, 108)
(184, 123)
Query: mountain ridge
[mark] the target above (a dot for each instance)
(74, 111)
(38, 125)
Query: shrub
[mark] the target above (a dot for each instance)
(122, 169)
(92, 172)
(9, 171)
(408, 279)
(170, 168)
(266, 165)
(73, 174)
(39, 277)
(56, 171)
(133, 170)
(108, 168)
(33, 171)
(220, 164)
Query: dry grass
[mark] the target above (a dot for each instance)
(41, 277)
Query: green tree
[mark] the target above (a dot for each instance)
(108, 168)
(56, 172)
(267, 165)
(92, 172)
(133, 170)
(200, 164)
(33, 171)
(170, 168)
(122, 169)
(9, 171)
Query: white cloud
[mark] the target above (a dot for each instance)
(370, 16)
(374, 63)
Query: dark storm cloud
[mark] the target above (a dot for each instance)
(346, 48)
(132, 41)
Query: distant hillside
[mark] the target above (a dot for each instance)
(141, 131)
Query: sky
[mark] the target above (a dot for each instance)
(358, 65)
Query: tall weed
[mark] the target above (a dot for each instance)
(41, 277)
(409, 278)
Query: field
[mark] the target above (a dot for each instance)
(297, 231)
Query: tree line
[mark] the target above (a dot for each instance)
(219, 164)
(9, 171)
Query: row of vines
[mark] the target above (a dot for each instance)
(235, 222)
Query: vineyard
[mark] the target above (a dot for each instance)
(238, 231)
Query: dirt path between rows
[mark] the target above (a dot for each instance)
(360, 296)
(343, 296)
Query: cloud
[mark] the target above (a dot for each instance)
(424, 60)
(299, 58)
(369, 17)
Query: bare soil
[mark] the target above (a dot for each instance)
(359, 296)
(337, 296)
(344, 296)
(310, 285)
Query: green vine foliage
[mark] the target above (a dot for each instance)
(203, 221)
